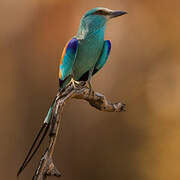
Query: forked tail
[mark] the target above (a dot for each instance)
(45, 128)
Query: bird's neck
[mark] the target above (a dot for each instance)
(86, 31)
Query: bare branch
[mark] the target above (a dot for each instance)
(46, 166)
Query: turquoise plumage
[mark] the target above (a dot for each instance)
(104, 56)
(87, 52)
(83, 56)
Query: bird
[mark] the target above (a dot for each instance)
(83, 56)
(87, 52)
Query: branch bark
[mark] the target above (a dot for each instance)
(46, 166)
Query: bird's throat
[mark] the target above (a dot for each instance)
(84, 32)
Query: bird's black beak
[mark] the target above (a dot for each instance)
(114, 14)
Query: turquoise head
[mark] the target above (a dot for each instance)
(97, 18)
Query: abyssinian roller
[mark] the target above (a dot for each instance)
(87, 52)
(83, 56)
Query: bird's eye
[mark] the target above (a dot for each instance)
(101, 12)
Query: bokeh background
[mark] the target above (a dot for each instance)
(143, 71)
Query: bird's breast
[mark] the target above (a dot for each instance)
(89, 50)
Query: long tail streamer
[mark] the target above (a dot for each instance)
(45, 126)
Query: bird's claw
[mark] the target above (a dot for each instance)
(74, 83)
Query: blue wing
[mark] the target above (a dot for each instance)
(104, 56)
(67, 59)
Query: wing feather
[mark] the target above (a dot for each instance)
(68, 58)
(104, 56)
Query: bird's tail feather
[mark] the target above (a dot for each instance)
(45, 126)
(29, 155)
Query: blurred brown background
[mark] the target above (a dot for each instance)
(143, 72)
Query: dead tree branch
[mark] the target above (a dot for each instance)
(46, 166)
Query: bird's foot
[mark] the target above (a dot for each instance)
(74, 83)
